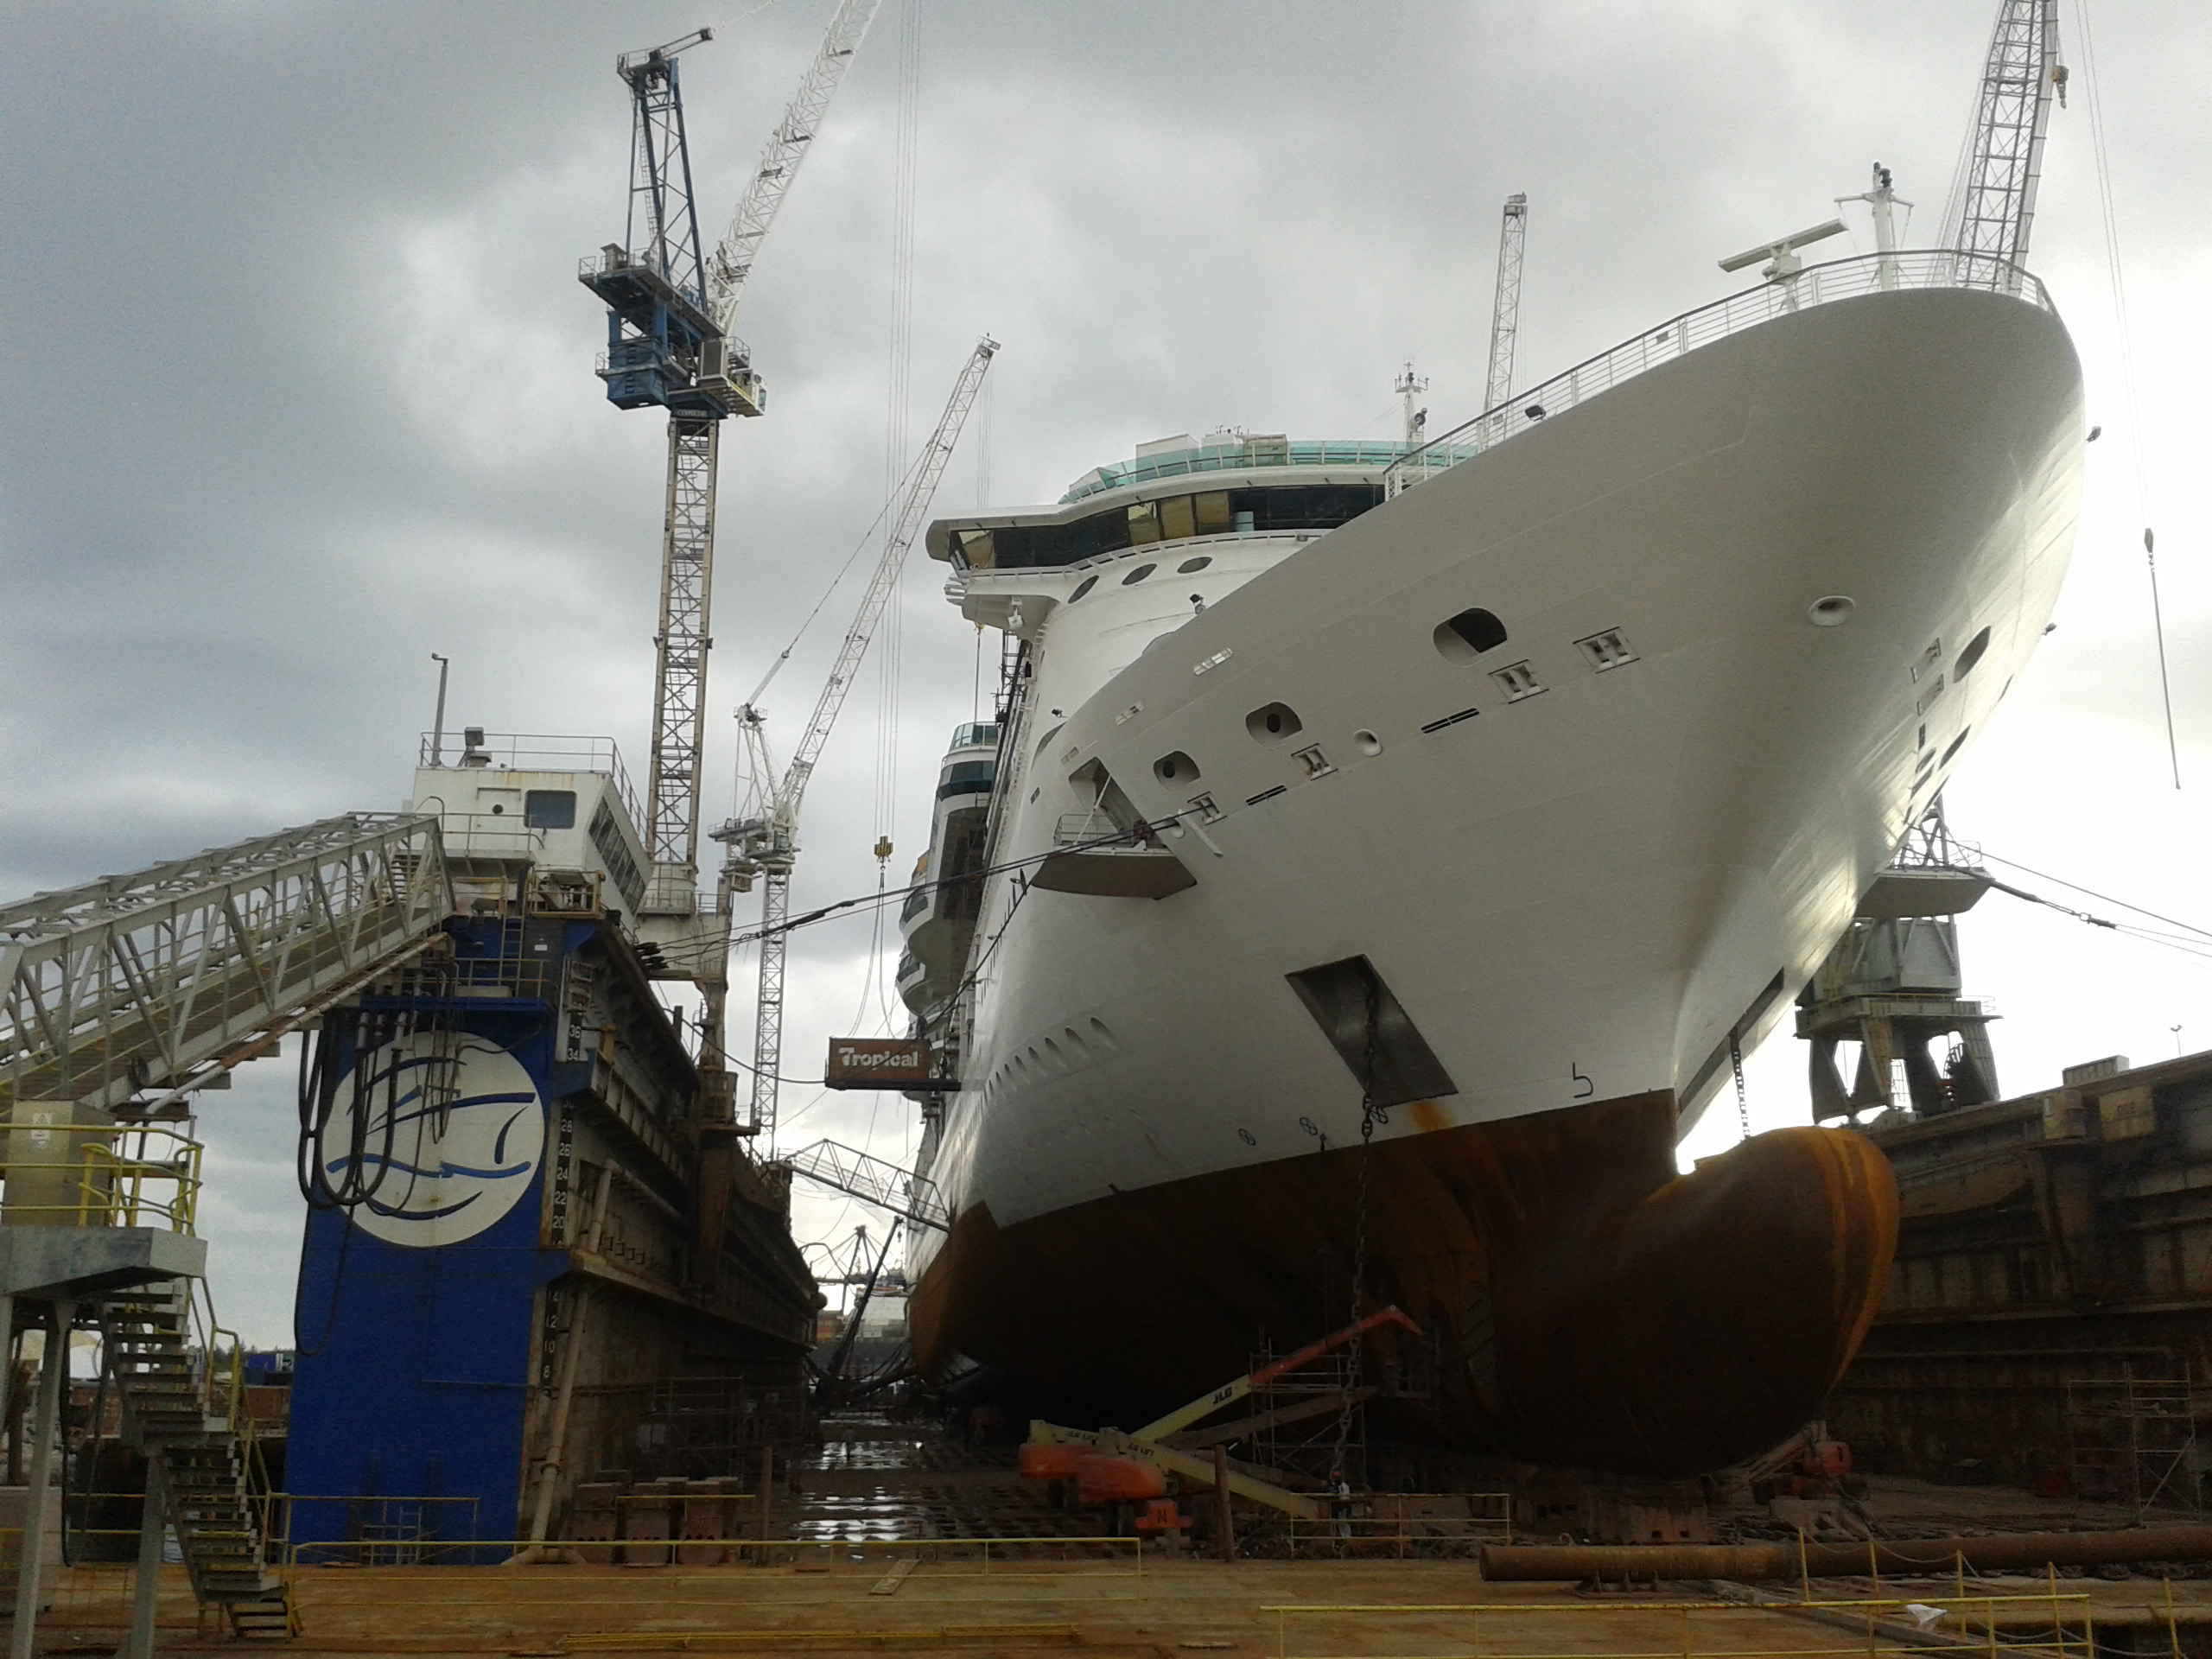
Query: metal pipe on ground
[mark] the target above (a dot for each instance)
(1570, 1563)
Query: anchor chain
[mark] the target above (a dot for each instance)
(1743, 1098)
(1369, 1114)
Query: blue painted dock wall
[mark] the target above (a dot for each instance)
(422, 1312)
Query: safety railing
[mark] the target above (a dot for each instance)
(221, 1358)
(102, 1175)
(133, 983)
(1822, 284)
(532, 751)
(1403, 1524)
(1488, 1630)
(484, 834)
(678, 896)
(1236, 455)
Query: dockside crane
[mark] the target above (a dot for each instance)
(766, 844)
(671, 306)
(1505, 302)
(1992, 207)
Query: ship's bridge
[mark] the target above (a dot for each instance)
(528, 804)
(1174, 489)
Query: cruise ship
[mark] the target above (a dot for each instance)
(1383, 850)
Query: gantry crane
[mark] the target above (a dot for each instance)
(1505, 303)
(766, 844)
(1992, 204)
(670, 305)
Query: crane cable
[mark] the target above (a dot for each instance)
(890, 644)
(2116, 270)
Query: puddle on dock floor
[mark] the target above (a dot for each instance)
(872, 1477)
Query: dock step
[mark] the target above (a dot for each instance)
(270, 1618)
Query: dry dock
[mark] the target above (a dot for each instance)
(950, 1601)
(928, 1583)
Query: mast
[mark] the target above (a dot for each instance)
(1409, 386)
(1505, 302)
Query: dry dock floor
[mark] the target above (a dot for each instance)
(922, 1585)
(1181, 1606)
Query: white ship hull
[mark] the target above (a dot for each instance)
(1576, 896)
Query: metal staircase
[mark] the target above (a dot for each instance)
(189, 1423)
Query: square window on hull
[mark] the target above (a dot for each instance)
(1371, 1031)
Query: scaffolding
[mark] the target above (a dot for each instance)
(701, 1427)
(1310, 1421)
(2134, 1439)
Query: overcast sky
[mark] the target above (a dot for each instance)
(300, 391)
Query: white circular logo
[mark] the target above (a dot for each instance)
(452, 1133)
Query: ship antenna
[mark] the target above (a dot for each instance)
(1883, 199)
(1410, 385)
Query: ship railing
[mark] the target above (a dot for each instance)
(1822, 284)
(536, 751)
(489, 835)
(1096, 831)
(679, 895)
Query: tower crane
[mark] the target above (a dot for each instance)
(767, 844)
(1505, 304)
(670, 305)
(1992, 202)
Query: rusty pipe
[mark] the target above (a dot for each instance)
(1573, 1562)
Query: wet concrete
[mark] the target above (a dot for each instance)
(874, 1478)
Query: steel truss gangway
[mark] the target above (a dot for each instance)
(154, 983)
(914, 1198)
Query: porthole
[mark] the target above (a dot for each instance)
(1077, 1046)
(1101, 1032)
(1273, 723)
(1139, 574)
(1191, 567)
(1463, 638)
(1083, 588)
(1176, 768)
(1832, 610)
(1952, 747)
(1366, 742)
(1970, 656)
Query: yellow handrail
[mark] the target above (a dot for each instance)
(116, 1177)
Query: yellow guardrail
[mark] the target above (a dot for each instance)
(2068, 1612)
(1482, 1518)
(125, 1175)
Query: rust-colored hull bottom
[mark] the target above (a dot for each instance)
(1591, 1306)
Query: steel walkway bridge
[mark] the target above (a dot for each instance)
(885, 1185)
(154, 982)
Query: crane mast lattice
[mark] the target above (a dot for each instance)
(669, 346)
(1992, 204)
(1505, 303)
(768, 844)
